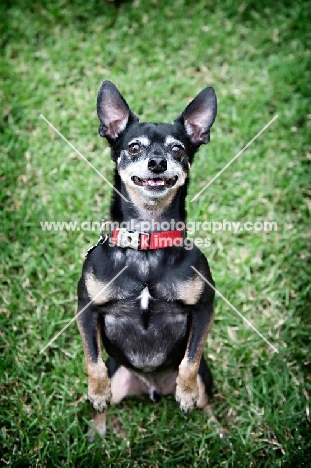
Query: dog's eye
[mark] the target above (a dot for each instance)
(134, 148)
(177, 151)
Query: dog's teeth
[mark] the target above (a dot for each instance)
(155, 182)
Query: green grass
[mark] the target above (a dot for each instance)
(160, 54)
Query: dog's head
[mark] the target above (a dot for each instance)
(153, 160)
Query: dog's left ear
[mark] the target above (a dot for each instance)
(199, 116)
(113, 112)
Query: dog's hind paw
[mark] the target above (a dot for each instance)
(98, 426)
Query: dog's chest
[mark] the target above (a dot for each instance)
(143, 331)
(145, 306)
(139, 287)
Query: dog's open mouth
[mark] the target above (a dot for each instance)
(156, 182)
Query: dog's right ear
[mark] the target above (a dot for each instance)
(113, 112)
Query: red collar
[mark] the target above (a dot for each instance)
(147, 240)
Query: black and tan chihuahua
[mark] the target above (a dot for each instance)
(153, 319)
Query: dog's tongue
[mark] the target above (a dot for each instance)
(154, 182)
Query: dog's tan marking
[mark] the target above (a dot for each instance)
(144, 141)
(99, 392)
(190, 291)
(169, 140)
(187, 388)
(96, 289)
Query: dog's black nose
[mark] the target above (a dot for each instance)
(157, 164)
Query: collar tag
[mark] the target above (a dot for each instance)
(128, 239)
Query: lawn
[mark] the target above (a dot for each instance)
(160, 54)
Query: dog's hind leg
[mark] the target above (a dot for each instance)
(205, 383)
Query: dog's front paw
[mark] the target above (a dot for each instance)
(100, 397)
(187, 395)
